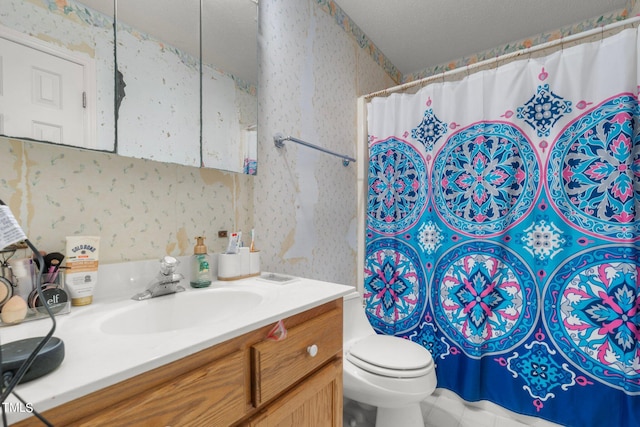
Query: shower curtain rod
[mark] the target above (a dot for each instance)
(506, 56)
(278, 140)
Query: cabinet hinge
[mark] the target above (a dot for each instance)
(84, 99)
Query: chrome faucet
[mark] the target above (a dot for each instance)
(166, 282)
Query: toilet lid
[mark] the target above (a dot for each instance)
(391, 356)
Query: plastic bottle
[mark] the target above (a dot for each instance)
(200, 265)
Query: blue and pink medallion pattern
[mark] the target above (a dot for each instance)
(484, 298)
(509, 247)
(593, 304)
(396, 292)
(594, 171)
(488, 178)
(397, 194)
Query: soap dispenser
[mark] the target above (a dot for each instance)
(200, 265)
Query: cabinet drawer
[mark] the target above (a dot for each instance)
(277, 365)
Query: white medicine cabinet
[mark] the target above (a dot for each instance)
(189, 72)
(184, 90)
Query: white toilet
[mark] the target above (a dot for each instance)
(391, 373)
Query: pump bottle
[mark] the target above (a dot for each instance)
(200, 265)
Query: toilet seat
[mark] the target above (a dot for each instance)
(390, 356)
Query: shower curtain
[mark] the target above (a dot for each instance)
(503, 216)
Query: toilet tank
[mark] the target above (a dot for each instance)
(354, 319)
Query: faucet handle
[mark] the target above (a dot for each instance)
(168, 265)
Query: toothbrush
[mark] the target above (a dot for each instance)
(252, 248)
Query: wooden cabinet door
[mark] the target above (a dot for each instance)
(316, 402)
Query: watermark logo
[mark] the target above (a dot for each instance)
(18, 407)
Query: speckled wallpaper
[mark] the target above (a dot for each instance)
(141, 209)
(312, 71)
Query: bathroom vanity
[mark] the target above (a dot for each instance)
(236, 376)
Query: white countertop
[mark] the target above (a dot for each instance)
(95, 359)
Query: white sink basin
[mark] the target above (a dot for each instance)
(184, 310)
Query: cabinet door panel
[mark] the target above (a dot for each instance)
(317, 402)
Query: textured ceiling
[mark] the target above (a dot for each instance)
(419, 34)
